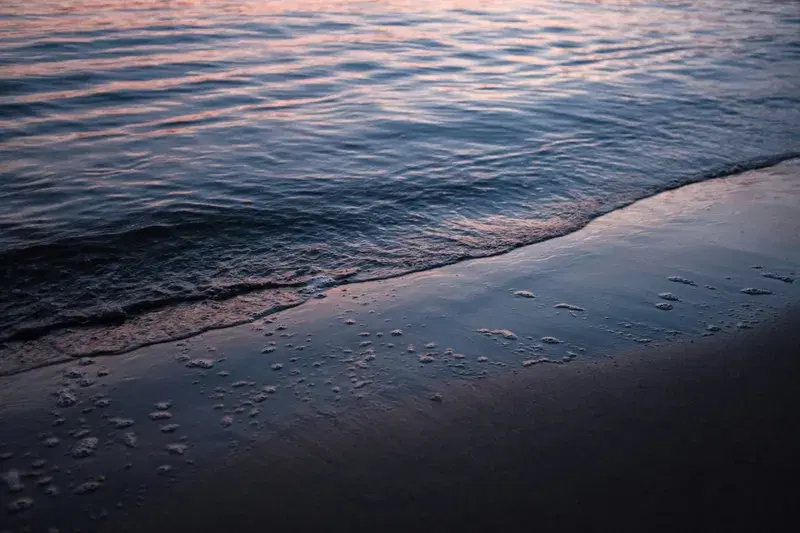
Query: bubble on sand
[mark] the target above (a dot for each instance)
(524, 294)
(102, 402)
(364, 344)
(482, 359)
(336, 389)
(160, 415)
(85, 447)
(51, 442)
(755, 292)
(681, 279)
(121, 423)
(459, 356)
(349, 321)
(531, 362)
(669, 296)
(20, 504)
(569, 306)
(169, 428)
(13, 481)
(52, 491)
(66, 398)
(86, 361)
(81, 433)
(436, 397)
(73, 373)
(38, 463)
(163, 469)
(239, 384)
(711, 287)
(255, 411)
(129, 439)
(226, 421)
(743, 325)
(102, 372)
(396, 332)
(89, 486)
(176, 448)
(506, 334)
(361, 384)
(44, 480)
(425, 358)
(277, 366)
(713, 328)
(772, 275)
(268, 349)
(218, 406)
(163, 406)
(664, 306)
(200, 363)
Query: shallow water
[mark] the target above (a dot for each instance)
(154, 153)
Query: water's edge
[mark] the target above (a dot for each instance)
(62, 342)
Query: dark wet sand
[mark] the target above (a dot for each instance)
(695, 436)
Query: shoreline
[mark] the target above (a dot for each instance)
(376, 346)
(56, 345)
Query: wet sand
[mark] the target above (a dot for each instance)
(491, 392)
(695, 436)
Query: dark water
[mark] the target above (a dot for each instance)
(154, 152)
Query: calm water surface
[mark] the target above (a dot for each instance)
(159, 152)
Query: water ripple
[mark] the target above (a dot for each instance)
(153, 153)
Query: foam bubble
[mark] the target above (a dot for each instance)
(89, 486)
(524, 294)
(506, 334)
(51, 442)
(176, 448)
(129, 439)
(681, 279)
(755, 292)
(772, 275)
(85, 447)
(664, 306)
(200, 363)
(121, 423)
(20, 504)
(66, 398)
(569, 306)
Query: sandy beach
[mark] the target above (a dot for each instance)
(638, 371)
(698, 437)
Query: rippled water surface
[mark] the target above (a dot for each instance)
(160, 152)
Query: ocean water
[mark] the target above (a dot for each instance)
(156, 154)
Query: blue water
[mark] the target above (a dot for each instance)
(156, 152)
